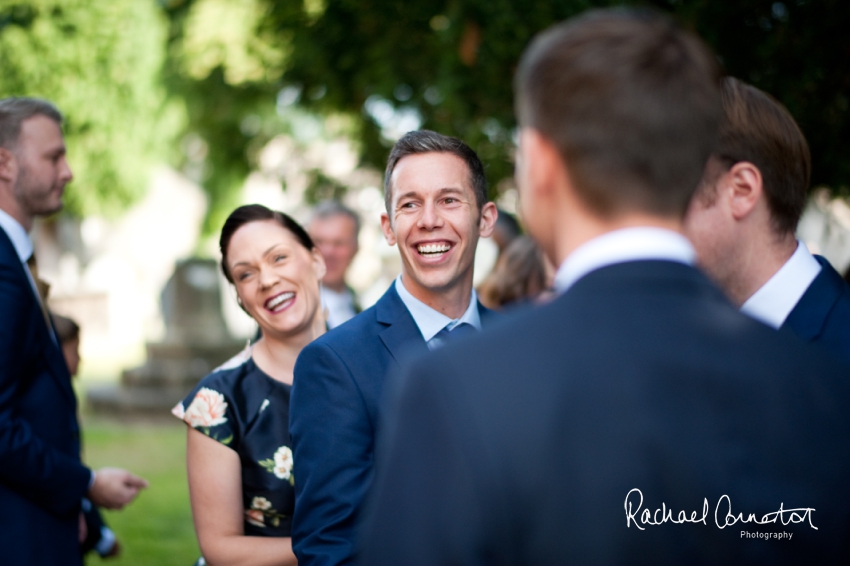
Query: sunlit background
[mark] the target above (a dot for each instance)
(177, 111)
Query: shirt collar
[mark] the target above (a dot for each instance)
(343, 295)
(430, 321)
(20, 239)
(775, 300)
(627, 244)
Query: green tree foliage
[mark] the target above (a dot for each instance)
(227, 73)
(233, 68)
(449, 62)
(796, 50)
(448, 65)
(453, 62)
(100, 63)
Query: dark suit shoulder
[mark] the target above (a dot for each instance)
(640, 376)
(349, 341)
(822, 315)
(624, 322)
(365, 322)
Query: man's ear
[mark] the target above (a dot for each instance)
(8, 165)
(319, 266)
(543, 170)
(489, 214)
(744, 189)
(387, 228)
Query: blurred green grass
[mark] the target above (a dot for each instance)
(156, 529)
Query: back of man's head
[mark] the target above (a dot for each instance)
(757, 129)
(631, 103)
(14, 111)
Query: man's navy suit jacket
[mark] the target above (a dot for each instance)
(335, 411)
(822, 315)
(521, 445)
(42, 480)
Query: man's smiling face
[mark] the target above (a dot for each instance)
(435, 220)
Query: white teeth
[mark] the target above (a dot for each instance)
(273, 303)
(433, 248)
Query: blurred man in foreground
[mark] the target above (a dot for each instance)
(639, 418)
(334, 228)
(42, 481)
(743, 217)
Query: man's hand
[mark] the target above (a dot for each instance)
(114, 488)
(84, 529)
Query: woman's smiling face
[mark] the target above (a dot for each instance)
(276, 278)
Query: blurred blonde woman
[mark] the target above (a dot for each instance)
(522, 275)
(238, 457)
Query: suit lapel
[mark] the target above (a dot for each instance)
(487, 316)
(401, 335)
(54, 356)
(811, 311)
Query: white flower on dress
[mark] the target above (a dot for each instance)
(261, 503)
(264, 405)
(283, 462)
(178, 410)
(207, 409)
(255, 517)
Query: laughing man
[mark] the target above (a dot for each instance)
(436, 200)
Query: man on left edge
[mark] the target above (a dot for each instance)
(42, 481)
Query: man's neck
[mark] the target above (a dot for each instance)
(276, 355)
(336, 287)
(586, 227)
(758, 264)
(451, 302)
(9, 205)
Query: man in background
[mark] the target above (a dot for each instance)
(334, 228)
(99, 537)
(436, 198)
(42, 481)
(507, 230)
(638, 418)
(743, 218)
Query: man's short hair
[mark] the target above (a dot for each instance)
(426, 141)
(331, 208)
(757, 129)
(14, 111)
(632, 104)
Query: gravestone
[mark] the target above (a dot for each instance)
(196, 342)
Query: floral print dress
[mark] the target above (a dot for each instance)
(248, 411)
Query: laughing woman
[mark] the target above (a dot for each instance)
(238, 458)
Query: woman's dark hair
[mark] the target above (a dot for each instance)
(257, 213)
